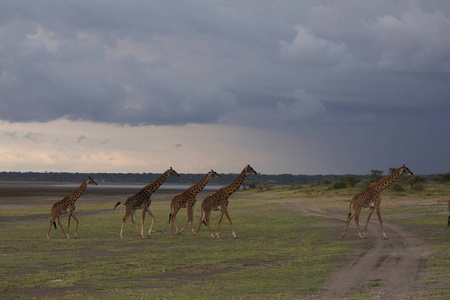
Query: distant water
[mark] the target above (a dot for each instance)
(137, 186)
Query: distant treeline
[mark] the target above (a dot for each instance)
(261, 180)
(145, 178)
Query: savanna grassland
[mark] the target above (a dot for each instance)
(280, 252)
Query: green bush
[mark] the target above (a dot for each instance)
(363, 184)
(416, 179)
(397, 187)
(339, 185)
(444, 177)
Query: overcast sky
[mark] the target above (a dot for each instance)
(302, 87)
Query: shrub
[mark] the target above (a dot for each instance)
(264, 186)
(349, 180)
(363, 184)
(323, 181)
(416, 179)
(397, 187)
(444, 177)
(339, 185)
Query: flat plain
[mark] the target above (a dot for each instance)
(289, 246)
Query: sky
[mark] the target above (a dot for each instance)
(289, 87)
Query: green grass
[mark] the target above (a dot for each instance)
(278, 254)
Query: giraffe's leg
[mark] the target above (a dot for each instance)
(50, 227)
(218, 224)
(191, 216)
(123, 224)
(144, 211)
(125, 218)
(202, 218)
(189, 213)
(153, 221)
(69, 215)
(207, 215)
(133, 220)
(350, 217)
(78, 223)
(231, 224)
(60, 225)
(367, 222)
(381, 223)
(174, 219)
(357, 223)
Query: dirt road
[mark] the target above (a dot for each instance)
(387, 269)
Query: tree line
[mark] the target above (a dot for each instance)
(261, 181)
(144, 178)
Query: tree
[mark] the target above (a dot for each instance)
(350, 180)
(416, 179)
(375, 175)
(249, 184)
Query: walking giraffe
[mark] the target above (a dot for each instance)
(187, 200)
(67, 205)
(142, 200)
(371, 198)
(219, 201)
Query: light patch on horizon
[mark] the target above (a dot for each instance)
(147, 148)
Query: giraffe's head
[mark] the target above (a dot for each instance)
(250, 170)
(405, 170)
(173, 172)
(91, 181)
(213, 174)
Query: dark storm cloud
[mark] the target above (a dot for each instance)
(272, 64)
(175, 62)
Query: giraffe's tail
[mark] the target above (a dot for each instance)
(350, 209)
(170, 217)
(117, 204)
(54, 224)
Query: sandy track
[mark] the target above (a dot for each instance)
(388, 269)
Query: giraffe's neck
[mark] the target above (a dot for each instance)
(77, 193)
(149, 189)
(387, 181)
(232, 187)
(195, 189)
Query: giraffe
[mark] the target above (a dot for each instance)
(219, 201)
(67, 205)
(187, 200)
(142, 200)
(371, 198)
